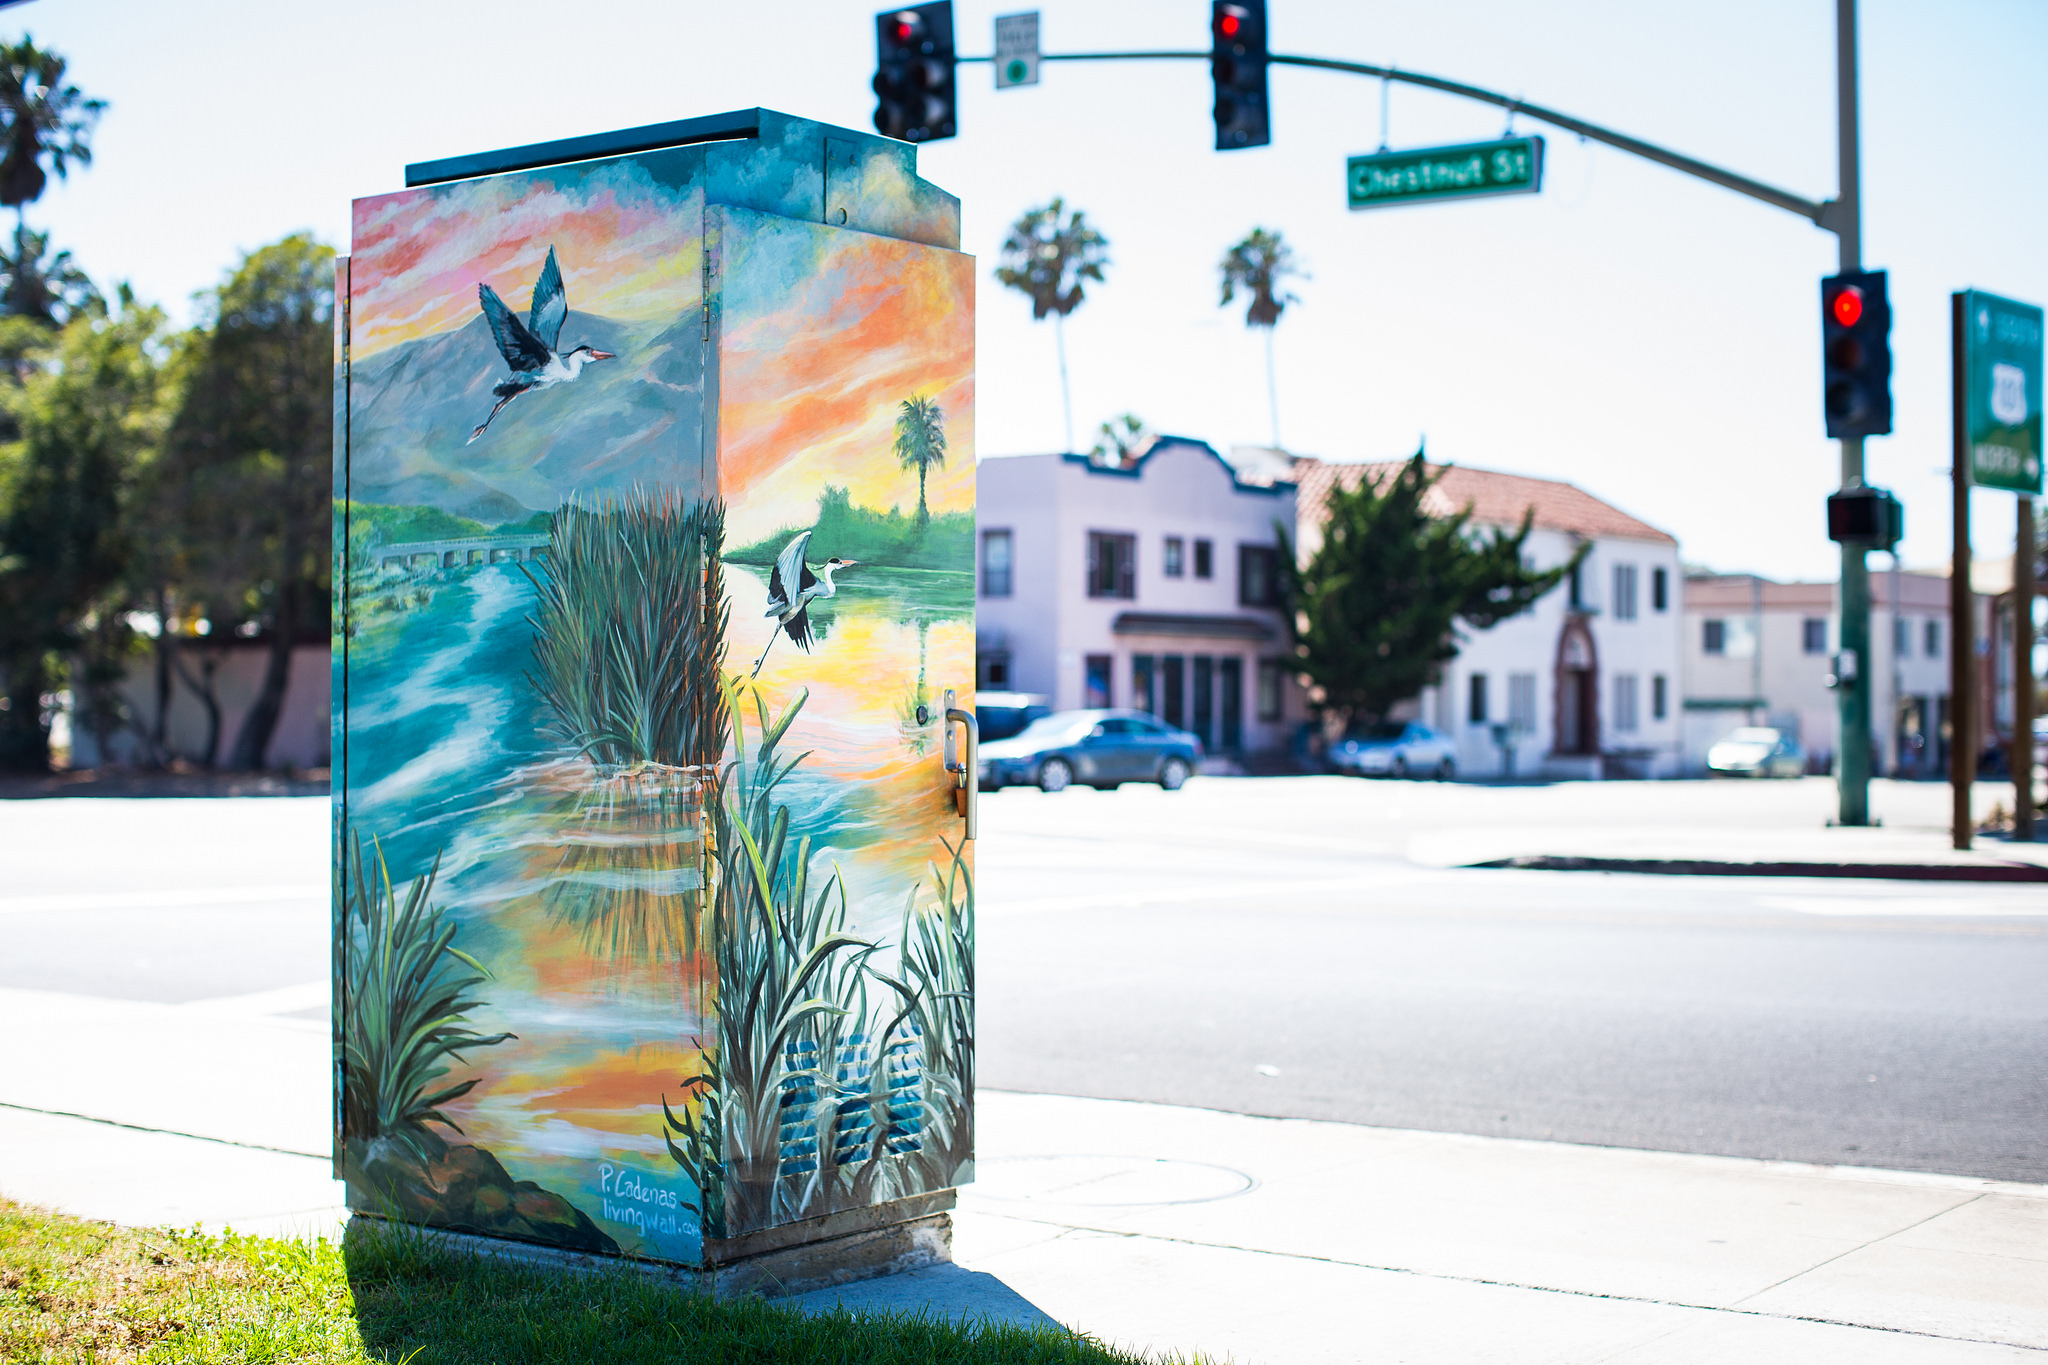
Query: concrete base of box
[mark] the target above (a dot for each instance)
(856, 1244)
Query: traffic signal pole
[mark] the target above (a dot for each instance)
(1852, 695)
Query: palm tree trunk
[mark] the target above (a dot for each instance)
(923, 515)
(1272, 390)
(1059, 337)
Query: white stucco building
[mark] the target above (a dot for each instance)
(1758, 652)
(1151, 585)
(1586, 683)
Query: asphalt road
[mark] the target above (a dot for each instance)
(1273, 947)
(1136, 946)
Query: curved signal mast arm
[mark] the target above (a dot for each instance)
(1814, 211)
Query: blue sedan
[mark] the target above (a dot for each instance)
(1097, 748)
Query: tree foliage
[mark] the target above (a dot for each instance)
(1376, 608)
(1259, 265)
(42, 120)
(246, 480)
(1047, 257)
(87, 414)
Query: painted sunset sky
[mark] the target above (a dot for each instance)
(628, 233)
(824, 334)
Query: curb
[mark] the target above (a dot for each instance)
(1693, 867)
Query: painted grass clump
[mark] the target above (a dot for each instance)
(629, 630)
(78, 1291)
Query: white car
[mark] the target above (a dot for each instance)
(1756, 751)
(1395, 748)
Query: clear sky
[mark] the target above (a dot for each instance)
(1646, 336)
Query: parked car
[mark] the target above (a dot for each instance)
(1395, 749)
(1097, 748)
(1756, 751)
(999, 715)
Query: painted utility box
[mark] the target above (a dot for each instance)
(654, 521)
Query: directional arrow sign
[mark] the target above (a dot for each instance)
(1511, 166)
(2002, 358)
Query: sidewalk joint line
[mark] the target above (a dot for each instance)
(1556, 1289)
(1939, 1213)
(167, 1132)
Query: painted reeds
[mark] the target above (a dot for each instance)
(628, 643)
(405, 1017)
(629, 634)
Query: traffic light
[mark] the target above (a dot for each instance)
(1856, 354)
(1870, 517)
(914, 73)
(1237, 63)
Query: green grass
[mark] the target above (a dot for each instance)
(399, 525)
(72, 1290)
(888, 539)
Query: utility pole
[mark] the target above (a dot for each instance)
(2024, 540)
(1852, 698)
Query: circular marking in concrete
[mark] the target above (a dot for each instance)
(1106, 1181)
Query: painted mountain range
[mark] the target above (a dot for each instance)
(623, 421)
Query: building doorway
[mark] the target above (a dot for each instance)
(1578, 691)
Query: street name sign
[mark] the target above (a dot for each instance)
(1423, 175)
(1016, 49)
(2002, 375)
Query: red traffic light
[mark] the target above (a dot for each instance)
(905, 26)
(1848, 306)
(1228, 24)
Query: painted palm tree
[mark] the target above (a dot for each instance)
(920, 443)
(1046, 259)
(41, 120)
(1260, 265)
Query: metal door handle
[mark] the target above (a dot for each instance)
(966, 775)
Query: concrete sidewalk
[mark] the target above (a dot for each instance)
(1166, 1228)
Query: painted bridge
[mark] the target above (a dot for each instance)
(450, 554)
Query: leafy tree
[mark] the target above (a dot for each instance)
(920, 443)
(1375, 609)
(1121, 441)
(88, 414)
(247, 471)
(42, 119)
(1046, 259)
(1260, 265)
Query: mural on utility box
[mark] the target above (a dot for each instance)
(656, 927)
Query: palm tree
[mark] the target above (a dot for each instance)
(45, 288)
(1259, 265)
(41, 119)
(920, 443)
(1121, 441)
(1046, 260)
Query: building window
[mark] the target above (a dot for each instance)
(1095, 691)
(1112, 565)
(1902, 636)
(1714, 635)
(1173, 690)
(1624, 592)
(1142, 696)
(1522, 703)
(1575, 587)
(1258, 576)
(1272, 678)
(1660, 696)
(1660, 590)
(1933, 641)
(1475, 699)
(1813, 635)
(1205, 559)
(1625, 719)
(1176, 550)
(994, 670)
(995, 563)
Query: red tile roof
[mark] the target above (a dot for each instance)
(1495, 499)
